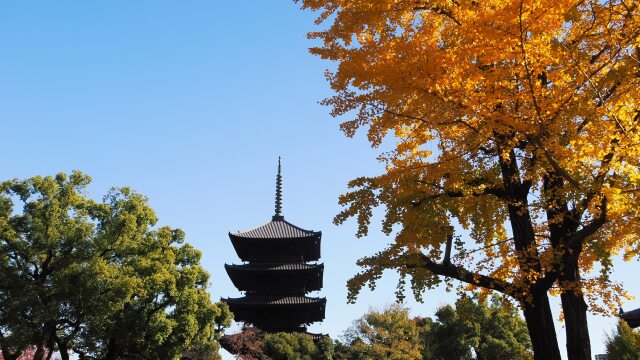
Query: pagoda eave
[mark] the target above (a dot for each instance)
(275, 301)
(276, 278)
(632, 318)
(281, 249)
(272, 313)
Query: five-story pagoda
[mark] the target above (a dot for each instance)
(277, 274)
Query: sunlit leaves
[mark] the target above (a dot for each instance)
(465, 86)
(98, 277)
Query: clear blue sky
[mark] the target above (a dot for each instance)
(191, 103)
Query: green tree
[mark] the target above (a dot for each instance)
(97, 278)
(449, 337)
(624, 344)
(254, 344)
(297, 346)
(473, 329)
(490, 330)
(387, 334)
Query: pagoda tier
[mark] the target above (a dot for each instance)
(276, 278)
(277, 241)
(277, 313)
(631, 317)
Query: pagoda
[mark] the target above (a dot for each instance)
(279, 269)
(632, 318)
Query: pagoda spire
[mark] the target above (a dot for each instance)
(278, 215)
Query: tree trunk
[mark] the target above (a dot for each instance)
(537, 311)
(541, 327)
(48, 330)
(575, 315)
(573, 305)
(63, 348)
(113, 350)
(64, 355)
(40, 350)
(4, 351)
(6, 355)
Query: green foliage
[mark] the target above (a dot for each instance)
(624, 344)
(492, 331)
(450, 337)
(98, 278)
(297, 346)
(253, 344)
(223, 318)
(472, 330)
(387, 334)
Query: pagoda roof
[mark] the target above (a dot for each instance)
(277, 228)
(276, 278)
(277, 313)
(631, 317)
(275, 300)
(283, 249)
(275, 266)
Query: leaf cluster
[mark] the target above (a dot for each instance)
(624, 344)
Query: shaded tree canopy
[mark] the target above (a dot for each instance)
(624, 344)
(387, 334)
(97, 278)
(298, 346)
(477, 329)
(248, 344)
(517, 124)
(474, 329)
(253, 344)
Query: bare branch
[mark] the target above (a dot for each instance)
(439, 10)
(555, 164)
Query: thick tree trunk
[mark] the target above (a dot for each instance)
(537, 311)
(40, 349)
(541, 327)
(113, 350)
(573, 304)
(6, 355)
(46, 338)
(575, 315)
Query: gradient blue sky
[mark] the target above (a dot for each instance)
(191, 103)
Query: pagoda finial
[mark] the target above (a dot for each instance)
(278, 215)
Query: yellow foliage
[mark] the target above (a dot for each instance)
(469, 88)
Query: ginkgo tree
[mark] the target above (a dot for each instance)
(516, 123)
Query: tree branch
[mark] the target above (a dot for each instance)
(439, 10)
(461, 274)
(555, 164)
(575, 241)
(496, 191)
